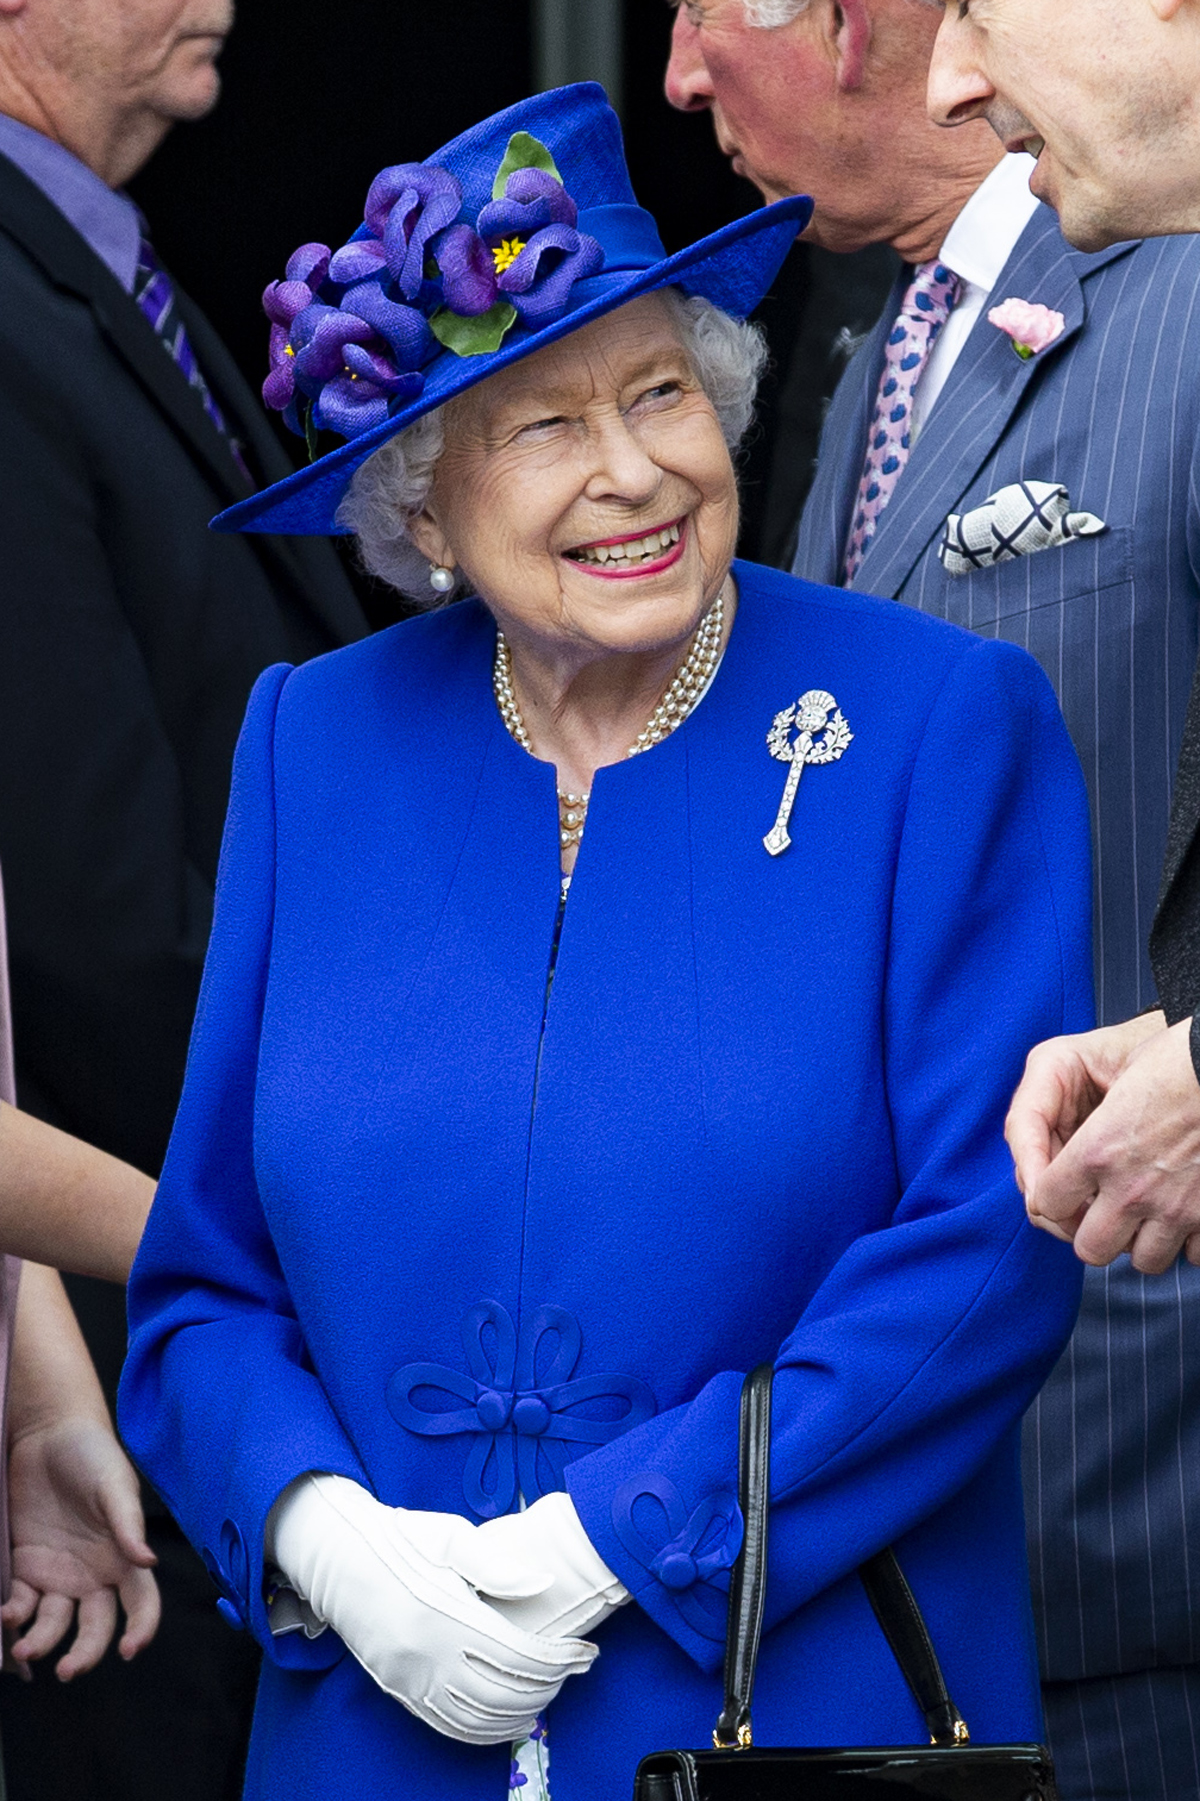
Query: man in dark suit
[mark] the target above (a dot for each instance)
(130, 637)
(1105, 1128)
(937, 423)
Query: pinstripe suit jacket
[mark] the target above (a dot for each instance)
(1112, 409)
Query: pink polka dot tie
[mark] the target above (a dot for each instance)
(926, 306)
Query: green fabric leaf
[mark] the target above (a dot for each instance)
(524, 152)
(473, 337)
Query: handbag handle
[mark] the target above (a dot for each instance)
(892, 1600)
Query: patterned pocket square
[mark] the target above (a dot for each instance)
(1013, 522)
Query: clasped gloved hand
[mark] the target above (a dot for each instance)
(403, 1590)
(582, 1590)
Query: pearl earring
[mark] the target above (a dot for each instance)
(441, 579)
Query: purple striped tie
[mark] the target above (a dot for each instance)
(156, 297)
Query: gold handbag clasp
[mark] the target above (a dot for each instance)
(743, 1741)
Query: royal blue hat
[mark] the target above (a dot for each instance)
(516, 234)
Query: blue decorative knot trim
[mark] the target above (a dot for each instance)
(690, 1554)
(521, 1405)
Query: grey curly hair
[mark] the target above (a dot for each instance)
(390, 489)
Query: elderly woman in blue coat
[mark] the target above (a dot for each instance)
(617, 979)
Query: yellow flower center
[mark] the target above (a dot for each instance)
(288, 351)
(506, 253)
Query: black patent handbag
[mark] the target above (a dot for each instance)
(949, 1768)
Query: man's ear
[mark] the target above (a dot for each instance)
(852, 35)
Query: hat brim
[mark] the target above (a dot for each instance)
(732, 267)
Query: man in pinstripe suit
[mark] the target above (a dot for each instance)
(1108, 410)
(1105, 1128)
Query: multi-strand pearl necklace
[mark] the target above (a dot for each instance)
(688, 684)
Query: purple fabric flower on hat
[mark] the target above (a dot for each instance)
(354, 360)
(359, 260)
(468, 271)
(538, 254)
(282, 302)
(516, 1777)
(345, 349)
(404, 329)
(407, 205)
(539, 279)
(532, 199)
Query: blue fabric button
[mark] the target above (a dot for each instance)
(677, 1570)
(531, 1416)
(493, 1410)
(520, 1403)
(689, 1551)
(231, 1614)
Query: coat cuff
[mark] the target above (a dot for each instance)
(237, 1565)
(672, 1546)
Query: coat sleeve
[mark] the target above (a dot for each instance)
(928, 1339)
(221, 1453)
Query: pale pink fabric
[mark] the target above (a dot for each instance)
(1030, 325)
(12, 1271)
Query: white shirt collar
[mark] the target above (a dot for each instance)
(985, 234)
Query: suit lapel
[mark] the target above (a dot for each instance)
(67, 261)
(972, 412)
(36, 224)
(241, 406)
(821, 544)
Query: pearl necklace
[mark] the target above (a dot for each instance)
(688, 684)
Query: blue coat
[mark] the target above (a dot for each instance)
(408, 1235)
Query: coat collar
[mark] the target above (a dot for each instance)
(972, 412)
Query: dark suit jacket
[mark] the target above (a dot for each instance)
(130, 637)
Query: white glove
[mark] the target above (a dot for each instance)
(398, 1587)
(583, 1590)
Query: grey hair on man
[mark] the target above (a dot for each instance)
(769, 13)
(391, 488)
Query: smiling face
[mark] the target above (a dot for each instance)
(587, 491)
(1103, 92)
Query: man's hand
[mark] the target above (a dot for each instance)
(1105, 1134)
(78, 1545)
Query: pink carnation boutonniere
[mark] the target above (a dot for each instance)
(1030, 326)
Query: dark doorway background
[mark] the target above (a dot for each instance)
(319, 95)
